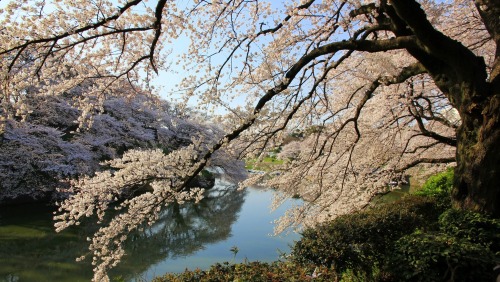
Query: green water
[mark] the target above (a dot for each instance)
(30, 250)
(188, 236)
(394, 195)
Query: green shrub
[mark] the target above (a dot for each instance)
(472, 226)
(462, 250)
(207, 174)
(441, 257)
(253, 271)
(438, 185)
(361, 242)
(417, 238)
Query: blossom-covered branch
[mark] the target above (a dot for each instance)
(353, 93)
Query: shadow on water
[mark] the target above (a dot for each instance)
(183, 230)
(30, 250)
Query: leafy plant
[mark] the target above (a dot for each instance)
(471, 226)
(266, 164)
(253, 271)
(361, 242)
(462, 250)
(438, 185)
(234, 250)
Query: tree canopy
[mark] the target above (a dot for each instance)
(386, 85)
(42, 154)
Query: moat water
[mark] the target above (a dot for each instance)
(188, 236)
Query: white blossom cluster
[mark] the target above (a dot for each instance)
(340, 72)
(94, 195)
(335, 174)
(39, 153)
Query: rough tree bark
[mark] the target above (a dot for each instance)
(477, 175)
(464, 78)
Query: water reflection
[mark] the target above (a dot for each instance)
(183, 230)
(31, 251)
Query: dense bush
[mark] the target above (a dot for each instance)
(361, 242)
(462, 250)
(438, 185)
(417, 238)
(253, 271)
(472, 226)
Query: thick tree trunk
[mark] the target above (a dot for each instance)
(473, 89)
(477, 175)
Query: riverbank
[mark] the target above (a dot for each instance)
(416, 238)
(49, 197)
(185, 236)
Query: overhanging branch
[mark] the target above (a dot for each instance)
(427, 161)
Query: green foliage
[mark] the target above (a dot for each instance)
(438, 185)
(441, 257)
(314, 129)
(207, 174)
(205, 179)
(417, 238)
(362, 241)
(414, 239)
(253, 271)
(266, 164)
(462, 250)
(234, 250)
(472, 226)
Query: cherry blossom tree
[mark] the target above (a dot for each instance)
(42, 153)
(386, 84)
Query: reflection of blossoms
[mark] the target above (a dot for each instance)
(373, 79)
(63, 152)
(135, 168)
(184, 229)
